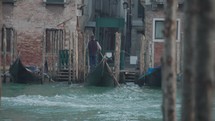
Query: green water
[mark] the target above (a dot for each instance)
(62, 102)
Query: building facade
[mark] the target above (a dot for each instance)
(32, 25)
(39, 29)
(106, 17)
(154, 26)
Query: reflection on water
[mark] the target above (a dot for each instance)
(60, 102)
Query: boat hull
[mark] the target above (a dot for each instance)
(100, 76)
(20, 74)
(151, 78)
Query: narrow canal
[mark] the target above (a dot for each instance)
(61, 102)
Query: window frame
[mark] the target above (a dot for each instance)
(163, 19)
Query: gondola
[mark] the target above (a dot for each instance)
(101, 76)
(151, 78)
(24, 74)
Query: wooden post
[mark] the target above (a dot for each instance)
(203, 14)
(50, 51)
(44, 55)
(15, 45)
(59, 41)
(12, 46)
(70, 81)
(168, 63)
(142, 52)
(1, 19)
(4, 49)
(188, 82)
(55, 50)
(74, 57)
(85, 54)
(117, 55)
(81, 63)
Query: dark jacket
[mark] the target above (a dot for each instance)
(92, 47)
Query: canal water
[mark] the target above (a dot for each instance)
(63, 102)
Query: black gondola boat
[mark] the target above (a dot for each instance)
(101, 76)
(24, 74)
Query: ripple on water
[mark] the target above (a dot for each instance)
(76, 102)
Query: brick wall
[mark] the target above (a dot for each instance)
(29, 18)
(156, 49)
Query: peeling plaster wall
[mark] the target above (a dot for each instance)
(29, 18)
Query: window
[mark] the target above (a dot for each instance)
(158, 28)
(54, 40)
(55, 1)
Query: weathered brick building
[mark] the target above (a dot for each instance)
(32, 25)
(154, 25)
(31, 21)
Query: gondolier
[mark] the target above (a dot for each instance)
(93, 48)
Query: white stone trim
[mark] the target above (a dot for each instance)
(162, 40)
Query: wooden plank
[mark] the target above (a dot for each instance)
(117, 55)
(113, 76)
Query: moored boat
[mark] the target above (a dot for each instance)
(24, 74)
(101, 76)
(151, 78)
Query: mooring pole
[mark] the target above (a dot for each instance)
(0, 46)
(142, 51)
(44, 56)
(4, 51)
(117, 55)
(70, 81)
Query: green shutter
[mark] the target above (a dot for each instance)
(55, 1)
(110, 22)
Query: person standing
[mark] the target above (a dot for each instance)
(93, 48)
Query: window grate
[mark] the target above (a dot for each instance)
(54, 40)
